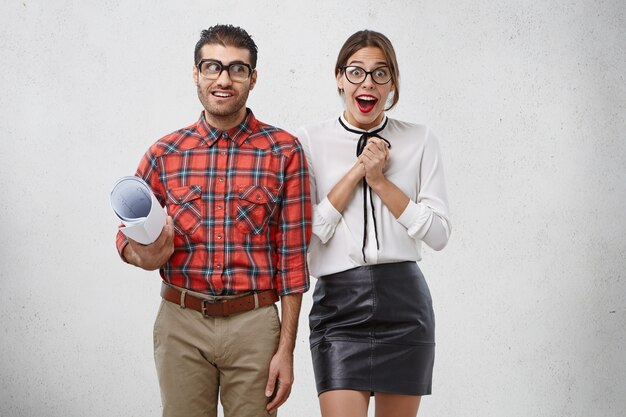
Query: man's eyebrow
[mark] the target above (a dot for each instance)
(231, 62)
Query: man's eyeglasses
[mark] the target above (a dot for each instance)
(211, 69)
(357, 75)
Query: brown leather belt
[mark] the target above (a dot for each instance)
(223, 307)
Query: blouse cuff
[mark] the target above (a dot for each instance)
(329, 212)
(325, 220)
(417, 219)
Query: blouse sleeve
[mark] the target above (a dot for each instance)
(427, 219)
(325, 215)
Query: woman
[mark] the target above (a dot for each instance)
(378, 191)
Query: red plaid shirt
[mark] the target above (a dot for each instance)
(240, 204)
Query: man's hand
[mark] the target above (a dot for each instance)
(280, 379)
(154, 255)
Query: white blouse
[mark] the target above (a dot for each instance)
(414, 166)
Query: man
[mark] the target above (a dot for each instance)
(237, 194)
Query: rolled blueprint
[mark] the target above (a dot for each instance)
(135, 205)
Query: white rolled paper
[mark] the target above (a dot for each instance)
(135, 205)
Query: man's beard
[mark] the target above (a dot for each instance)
(224, 111)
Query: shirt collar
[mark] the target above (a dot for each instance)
(237, 134)
(345, 121)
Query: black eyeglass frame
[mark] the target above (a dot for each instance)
(370, 73)
(224, 67)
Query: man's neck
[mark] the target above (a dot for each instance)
(225, 122)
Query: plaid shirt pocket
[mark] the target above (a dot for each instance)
(185, 206)
(255, 206)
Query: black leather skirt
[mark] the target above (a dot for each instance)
(373, 329)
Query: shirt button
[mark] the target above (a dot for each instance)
(224, 135)
(220, 179)
(223, 152)
(218, 266)
(258, 197)
(219, 206)
(219, 237)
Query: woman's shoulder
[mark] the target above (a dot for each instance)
(320, 131)
(408, 127)
(412, 134)
(322, 126)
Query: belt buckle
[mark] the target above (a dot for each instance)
(223, 303)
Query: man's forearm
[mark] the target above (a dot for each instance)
(290, 307)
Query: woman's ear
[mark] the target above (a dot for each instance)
(340, 82)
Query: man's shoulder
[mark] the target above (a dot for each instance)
(267, 136)
(178, 141)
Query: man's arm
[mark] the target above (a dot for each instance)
(281, 366)
(292, 275)
(154, 255)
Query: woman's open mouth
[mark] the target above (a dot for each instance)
(366, 103)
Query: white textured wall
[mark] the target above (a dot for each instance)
(527, 98)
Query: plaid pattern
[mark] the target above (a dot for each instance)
(240, 204)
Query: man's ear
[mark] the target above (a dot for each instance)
(253, 79)
(195, 75)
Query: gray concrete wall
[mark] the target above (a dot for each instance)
(526, 97)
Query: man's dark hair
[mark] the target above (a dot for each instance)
(226, 35)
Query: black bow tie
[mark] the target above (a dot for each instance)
(359, 150)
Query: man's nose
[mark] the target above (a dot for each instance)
(224, 78)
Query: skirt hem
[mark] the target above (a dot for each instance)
(356, 385)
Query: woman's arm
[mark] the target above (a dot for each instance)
(327, 209)
(340, 195)
(421, 219)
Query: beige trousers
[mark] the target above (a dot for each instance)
(198, 358)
